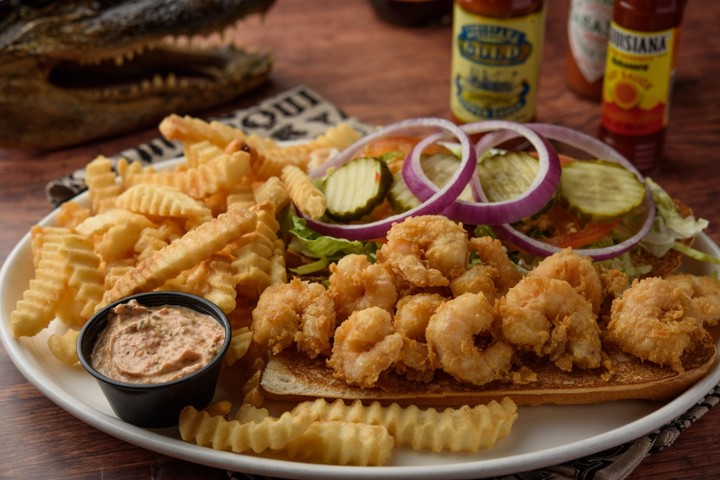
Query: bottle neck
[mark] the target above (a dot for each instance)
(501, 8)
(648, 15)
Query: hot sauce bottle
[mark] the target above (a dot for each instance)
(496, 50)
(639, 71)
(588, 29)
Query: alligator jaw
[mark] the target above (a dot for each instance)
(66, 97)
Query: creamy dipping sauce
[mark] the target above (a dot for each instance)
(155, 344)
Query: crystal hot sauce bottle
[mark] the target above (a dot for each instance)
(639, 72)
(497, 45)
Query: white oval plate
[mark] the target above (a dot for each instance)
(542, 436)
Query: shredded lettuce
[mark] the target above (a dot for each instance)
(669, 227)
(324, 249)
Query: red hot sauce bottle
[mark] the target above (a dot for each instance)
(639, 71)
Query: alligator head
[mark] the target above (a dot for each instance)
(77, 70)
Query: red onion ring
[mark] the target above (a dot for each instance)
(434, 204)
(537, 195)
(591, 146)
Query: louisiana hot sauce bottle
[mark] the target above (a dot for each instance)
(496, 50)
(639, 71)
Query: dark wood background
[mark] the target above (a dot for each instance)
(379, 73)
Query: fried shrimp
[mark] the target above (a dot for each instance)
(547, 316)
(412, 316)
(453, 332)
(704, 295)
(577, 270)
(298, 311)
(365, 345)
(653, 320)
(492, 253)
(477, 278)
(426, 251)
(356, 284)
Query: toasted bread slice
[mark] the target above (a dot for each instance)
(293, 376)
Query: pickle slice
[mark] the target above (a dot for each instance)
(600, 190)
(355, 189)
(506, 175)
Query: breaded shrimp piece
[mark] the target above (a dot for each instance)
(299, 311)
(477, 278)
(356, 284)
(654, 320)
(547, 316)
(426, 251)
(412, 316)
(704, 295)
(452, 332)
(492, 253)
(577, 270)
(365, 345)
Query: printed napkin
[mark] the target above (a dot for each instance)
(301, 113)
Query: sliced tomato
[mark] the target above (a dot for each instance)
(589, 234)
(402, 145)
(571, 232)
(381, 146)
(563, 229)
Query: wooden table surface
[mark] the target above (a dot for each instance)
(379, 73)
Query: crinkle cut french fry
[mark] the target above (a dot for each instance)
(86, 276)
(273, 157)
(273, 191)
(451, 429)
(102, 184)
(158, 200)
(220, 283)
(303, 192)
(278, 269)
(190, 129)
(239, 345)
(183, 253)
(231, 435)
(252, 266)
(64, 347)
(206, 179)
(197, 153)
(36, 309)
(342, 443)
(71, 214)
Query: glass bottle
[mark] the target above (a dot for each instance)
(639, 71)
(414, 13)
(496, 51)
(587, 31)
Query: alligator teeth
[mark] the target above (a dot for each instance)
(171, 81)
(229, 35)
(119, 60)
